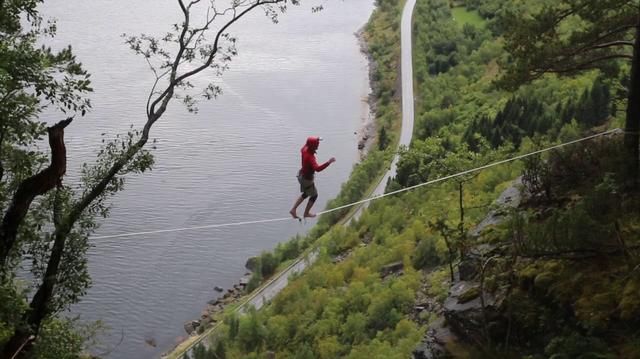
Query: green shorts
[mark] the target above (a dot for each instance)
(307, 187)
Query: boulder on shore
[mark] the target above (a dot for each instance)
(252, 264)
(191, 326)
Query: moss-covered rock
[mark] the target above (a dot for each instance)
(469, 295)
(544, 280)
(630, 303)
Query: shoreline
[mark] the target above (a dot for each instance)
(210, 314)
(367, 132)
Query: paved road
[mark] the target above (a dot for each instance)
(406, 133)
(276, 284)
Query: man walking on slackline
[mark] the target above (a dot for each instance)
(306, 174)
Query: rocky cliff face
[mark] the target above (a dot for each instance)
(472, 312)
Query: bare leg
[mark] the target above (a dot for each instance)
(294, 210)
(310, 204)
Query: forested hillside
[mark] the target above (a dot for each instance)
(557, 276)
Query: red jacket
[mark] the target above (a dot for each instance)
(309, 163)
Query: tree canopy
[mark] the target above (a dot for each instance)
(567, 37)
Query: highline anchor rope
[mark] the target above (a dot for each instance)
(373, 198)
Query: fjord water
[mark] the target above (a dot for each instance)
(235, 160)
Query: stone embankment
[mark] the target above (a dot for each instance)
(217, 305)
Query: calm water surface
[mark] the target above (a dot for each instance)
(233, 161)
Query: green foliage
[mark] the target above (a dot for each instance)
(219, 351)
(630, 301)
(577, 346)
(438, 284)
(468, 19)
(251, 331)
(255, 281)
(426, 254)
(528, 117)
(383, 139)
(268, 264)
(12, 304)
(233, 322)
(570, 37)
(565, 37)
(59, 339)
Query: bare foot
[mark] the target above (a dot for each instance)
(309, 215)
(294, 214)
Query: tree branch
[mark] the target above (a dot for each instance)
(581, 66)
(2, 136)
(32, 187)
(578, 253)
(174, 81)
(593, 44)
(612, 44)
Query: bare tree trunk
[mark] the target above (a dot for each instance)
(633, 111)
(461, 195)
(451, 257)
(32, 187)
(461, 242)
(2, 134)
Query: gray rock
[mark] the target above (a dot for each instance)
(466, 317)
(433, 344)
(218, 289)
(469, 268)
(204, 322)
(252, 264)
(510, 198)
(391, 268)
(423, 351)
(191, 326)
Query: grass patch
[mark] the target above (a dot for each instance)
(463, 16)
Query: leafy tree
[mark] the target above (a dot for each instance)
(37, 208)
(354, 329)
(58, 339)
(268, 264)
(33, 78)
(220, 351)
(251, 332)
(570, 36)
(416, 164)
(383, 139)
(233, 322)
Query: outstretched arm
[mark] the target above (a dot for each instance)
(319, 168)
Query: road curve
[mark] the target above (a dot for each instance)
(276, 284)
